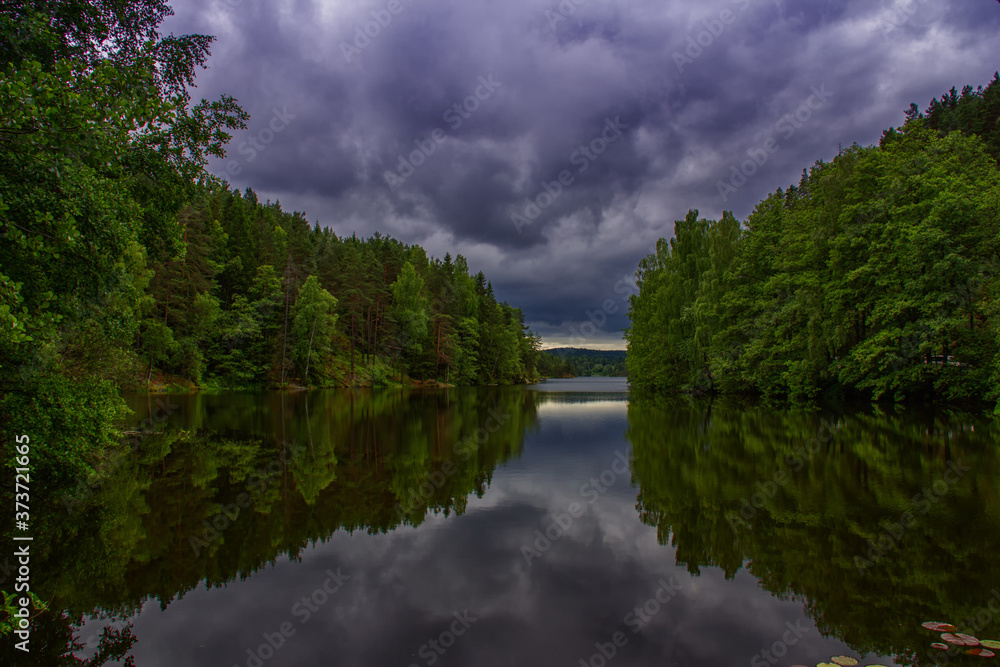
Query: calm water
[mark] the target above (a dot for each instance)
(549, 525)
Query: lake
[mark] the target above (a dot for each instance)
(568, 523)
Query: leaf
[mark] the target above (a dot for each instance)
(939, 645)
(989, 643)
(981, 652)
(960, 639)
(845, 661)
(939, 627)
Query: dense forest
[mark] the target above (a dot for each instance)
(565, 362)
(123, 263)
(874, 277)
(258, 297)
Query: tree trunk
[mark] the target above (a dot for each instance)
(284, 342)
(375, 329)
(309, 353)
(368, 336)
(437, 353)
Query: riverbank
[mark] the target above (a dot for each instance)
(165, 383)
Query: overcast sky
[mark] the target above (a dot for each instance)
(643, 108)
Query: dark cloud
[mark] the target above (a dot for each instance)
(697, 84)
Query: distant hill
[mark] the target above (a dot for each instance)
(579, 362)
(564, 352)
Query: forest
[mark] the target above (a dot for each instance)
(873, 278)
(124, 264)
(258, 297)
(567, 362)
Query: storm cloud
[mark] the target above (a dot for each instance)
(552, 143)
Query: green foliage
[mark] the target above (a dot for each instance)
(237, 307)
(313, 316)
(10, 607)
(71, 426)
(125, 264)
(410, 308)
(575, 362)
(874, 277)
(971, 112)
(93, 110)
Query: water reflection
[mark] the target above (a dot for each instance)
(878, 522)
(236, 482)
(515, 526)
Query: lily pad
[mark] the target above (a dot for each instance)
(939, 645)
(989, 643)
(960, 639)
(844, 661)
(981, 652)
(939, 627)
(826, 664)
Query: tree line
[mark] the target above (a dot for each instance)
(260, 297)
(568, 362)
(874, 277)
(124, 263)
